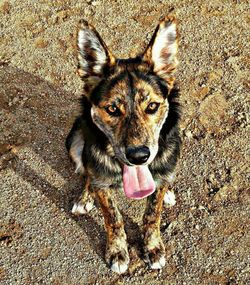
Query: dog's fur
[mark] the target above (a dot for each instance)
(127, 102)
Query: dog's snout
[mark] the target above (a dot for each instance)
(137, 155)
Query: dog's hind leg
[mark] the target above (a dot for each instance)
(85, 203)
(154, 250)
(117, 251)
(75, 144)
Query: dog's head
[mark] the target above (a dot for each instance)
(129, 97)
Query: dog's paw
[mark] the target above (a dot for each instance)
(154, 253)
(119, 263)
(83, 206)
(169, 199)
(117, 257)
(159, 263)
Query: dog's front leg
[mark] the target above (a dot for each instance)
(154, 250)
(117, 251)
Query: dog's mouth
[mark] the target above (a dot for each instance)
(138, 182)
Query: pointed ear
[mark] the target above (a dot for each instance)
(93, 56)
(162, 49)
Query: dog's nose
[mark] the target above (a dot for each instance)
(137, 155)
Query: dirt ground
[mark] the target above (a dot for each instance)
(207, 232)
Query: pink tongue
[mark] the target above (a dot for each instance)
(137, 182)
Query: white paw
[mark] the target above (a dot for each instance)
(80, 209)
(119, 267)
(159, 264)
(169, 199)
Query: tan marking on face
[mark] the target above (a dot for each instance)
(146, 125)
(106, 118)
(115, 97)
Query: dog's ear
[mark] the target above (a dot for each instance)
(162, 49)
(93, 56)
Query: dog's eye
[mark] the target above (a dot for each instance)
(152, 108)
(113, 111)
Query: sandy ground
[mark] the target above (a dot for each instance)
(207, 232)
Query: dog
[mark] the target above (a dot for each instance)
(127, 135)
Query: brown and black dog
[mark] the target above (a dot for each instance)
(127, 135)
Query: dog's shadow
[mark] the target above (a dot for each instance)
(43, 115)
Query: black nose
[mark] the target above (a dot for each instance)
(137, 155)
